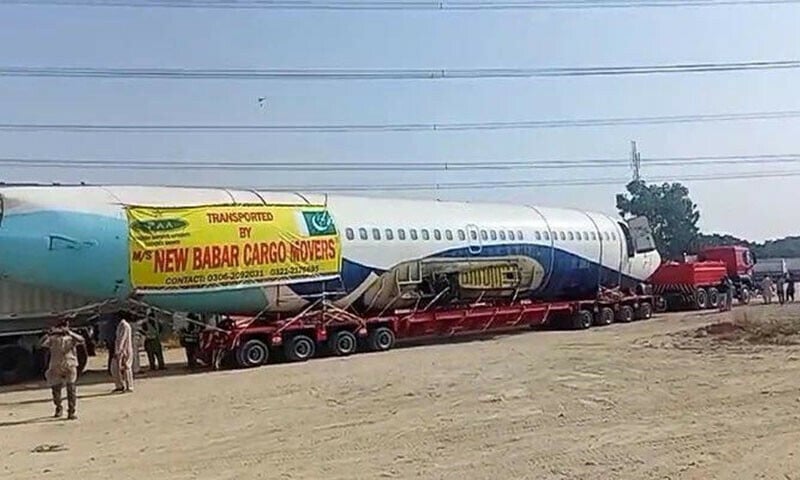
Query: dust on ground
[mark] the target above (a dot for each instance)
(648, 400)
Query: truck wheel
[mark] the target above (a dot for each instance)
(582, 320)
(16, 364)
(744, 296)
(381, 339)
(700, 299)
(713, 298)
(604, 317)
(252, 353)
(343, 343)
(300, 348)
(645, 311)
(625, 314)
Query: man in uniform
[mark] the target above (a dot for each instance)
(62, 368)
(151, 328)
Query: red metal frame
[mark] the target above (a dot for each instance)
(318, 319)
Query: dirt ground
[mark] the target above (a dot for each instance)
(650, 400)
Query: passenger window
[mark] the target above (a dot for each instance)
(538, 235)
(362, 233)
(578, 236)
(349, 233)
(608, 238)
(570, 235)
(389, 234)
(413, 233)
(502, 234)
(437, 235)
(546, 235)
(586, 236)
(376, 234)
(511, 235)
(562, 236)
(461, 235)
(614, 236)
(520, 236)
(401, 234)
(425, 234)
(484, 235)
(448, 234)
(493, 234)
(594, 236)
(473, 234)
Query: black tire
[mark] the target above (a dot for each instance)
(604, 317)
(300, 348)
(713, 298)
(16, 364)
(744, 296)
(625, 314)
(582, 320)
(342, 343)
(381, 339)
(700, 299)
(661, 304)
(644, 312)
(252, 353)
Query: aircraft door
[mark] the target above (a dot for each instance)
(474, 239)
(641, 235)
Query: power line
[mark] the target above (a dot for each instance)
(554, 164)
(484, 185)
(387, 74)
(397, 4)
(396, 127)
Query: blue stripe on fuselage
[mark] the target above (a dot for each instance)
(87, 254)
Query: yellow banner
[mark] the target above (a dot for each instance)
(213, 246)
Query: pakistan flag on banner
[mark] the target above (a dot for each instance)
(318, 223)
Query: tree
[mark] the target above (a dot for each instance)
(672, 215)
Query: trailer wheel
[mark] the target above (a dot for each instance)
(604, 317)
(343, 343)
(625, 314)
(713, 298)
(381, 339)
(645, 311)
(16, 364)
(252, 353)
(744, 296)
(700, 299)
(582, 320)
(300, 348)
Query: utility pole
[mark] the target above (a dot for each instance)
(636, 162)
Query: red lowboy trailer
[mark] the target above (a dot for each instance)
(326, 329)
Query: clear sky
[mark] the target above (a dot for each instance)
(125, 37)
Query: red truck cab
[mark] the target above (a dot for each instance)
(738, 260)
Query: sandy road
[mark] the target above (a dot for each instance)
(620, 402)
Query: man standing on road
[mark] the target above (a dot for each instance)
(727, 303)
(766, 289)
(62, 368)
(122, 367)
(151, 328)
